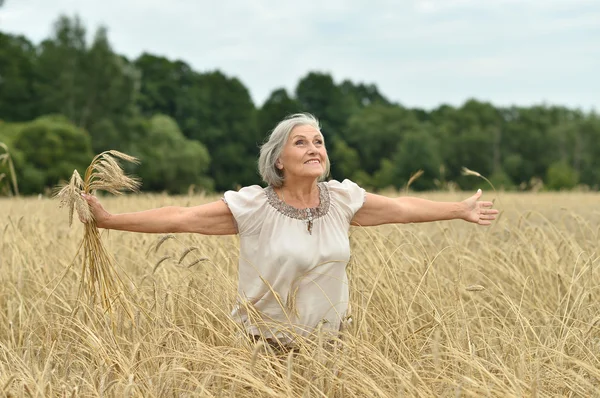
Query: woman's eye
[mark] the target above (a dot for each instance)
(300, 142)
(319, 142)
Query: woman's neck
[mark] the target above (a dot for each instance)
(300, 195)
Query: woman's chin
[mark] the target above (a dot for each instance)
(313, 175)
(313, 172)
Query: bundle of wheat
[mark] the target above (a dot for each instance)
(100, 281)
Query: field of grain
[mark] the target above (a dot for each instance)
(440, 309)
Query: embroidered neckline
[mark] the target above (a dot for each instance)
(300, 214)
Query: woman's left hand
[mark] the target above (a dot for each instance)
(479, 212)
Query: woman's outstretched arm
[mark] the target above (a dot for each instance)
(378, 210)
(209, 219)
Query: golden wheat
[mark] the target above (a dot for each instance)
(413, 178)
(421, 324)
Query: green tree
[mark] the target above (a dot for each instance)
(363, 94)
(561, 175)
(418, 150)
(49, 149)
(587, 150)
(110, 86)
(127, 135)
(84, 84)
(17, 59)
(500, 180)
(513, 165)
(318, 94)
(229, 130)
(59, 69)
(211, 108)
(375, 132)
(532, 134)
(469, 136)
(276, 107)
(170, 162)
(163, 83)
(345, 160)
(10, 131)
(473, 148)
(385, 176)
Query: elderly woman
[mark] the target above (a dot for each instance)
(294, 244)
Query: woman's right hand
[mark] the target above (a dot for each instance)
(100, 215)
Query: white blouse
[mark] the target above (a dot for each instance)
(292, 265)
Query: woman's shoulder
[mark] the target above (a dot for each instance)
(346, 187)
(346, 194)
(247, 206)
(251, 190)
(252, 196)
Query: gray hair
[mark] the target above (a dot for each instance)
(271, 150)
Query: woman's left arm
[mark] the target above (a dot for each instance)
(378, 210)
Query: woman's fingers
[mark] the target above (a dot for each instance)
(94, 205)
(488, 211)
(85, 197)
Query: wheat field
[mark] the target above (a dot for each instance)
(444, 309)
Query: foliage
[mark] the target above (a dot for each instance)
(211, 108)
(9, 131)
(345, 159)
(276, 108)
(376, 130)
(500, 180)
(171, 162)
(561, 175)
(418, 150)
(86, 83)
(17, 78)
(318, 94)
(50, 149)
(114, 99)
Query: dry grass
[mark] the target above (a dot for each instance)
(442, 309)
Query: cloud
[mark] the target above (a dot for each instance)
(434, 6)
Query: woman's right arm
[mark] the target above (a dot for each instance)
(209, 219)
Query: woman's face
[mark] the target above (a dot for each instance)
(304, 154)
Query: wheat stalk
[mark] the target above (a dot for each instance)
(100, 281)
(6, 159)
(413, 178)
(467, 172)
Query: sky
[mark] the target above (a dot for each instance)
(419, 53)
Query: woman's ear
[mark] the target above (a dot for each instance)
(278, 164)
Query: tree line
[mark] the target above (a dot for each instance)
(65, 99)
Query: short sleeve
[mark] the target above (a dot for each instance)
(247, 206)
(348, 195)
